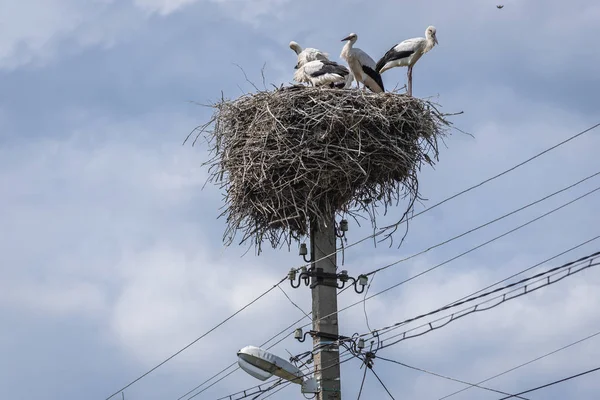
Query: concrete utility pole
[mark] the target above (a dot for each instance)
(324, 302)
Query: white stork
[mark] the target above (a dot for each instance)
(361, 65)
(308, 54)
(407, 53)
(324, 72)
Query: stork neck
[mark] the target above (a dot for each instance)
(346, 49)
(429, 44)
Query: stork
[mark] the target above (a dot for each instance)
(407, 53)
(308, 54)
(324, 72)
(361, 65)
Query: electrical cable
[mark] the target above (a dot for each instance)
(445, 377)
(533, 266)
(485, 243)
(462, 254)
(484, 225)
(382, 384)
(294, 304)
(477, 295)
(526, 363)
(196, 340)
(234, 363)
(338, 363)
(362, 383)
(555, 382)
(473, 309)
(500, 174)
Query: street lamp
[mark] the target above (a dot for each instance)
(262, 365)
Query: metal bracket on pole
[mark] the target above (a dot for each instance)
(321, 276)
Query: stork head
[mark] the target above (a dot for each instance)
(430, 33)
(351, 37)
(296, 47)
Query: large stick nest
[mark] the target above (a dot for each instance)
(297, 153)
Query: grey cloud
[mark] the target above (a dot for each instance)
(97, 189)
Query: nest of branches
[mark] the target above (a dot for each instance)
(298, 155)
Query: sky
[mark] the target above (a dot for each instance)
(111, 251)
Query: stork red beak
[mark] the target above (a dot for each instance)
(346, 38)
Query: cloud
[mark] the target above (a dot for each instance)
(34, 33)
(163, 7)
(33, 30)
(111, 253)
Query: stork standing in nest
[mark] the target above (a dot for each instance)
(308, 54)
(407, 53)
(361, 65)
(320, 73)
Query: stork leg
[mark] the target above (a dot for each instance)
(409, 86)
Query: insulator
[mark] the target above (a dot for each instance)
(292, 274)
(303, 249)
(298, 333)
(343, 276)
(344, 225)
(363, 280)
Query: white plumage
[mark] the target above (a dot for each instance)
(322, 72)
(308, 54)
(361, 65)
(407, 53)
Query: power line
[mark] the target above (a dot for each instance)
(196, 340)
(479, 246)
(362, 383)
(477, 296)
(484, 225)
(555, 382)
(526, 363)
(463, 253)
(533, 266)
(524, 290)
(472, 295)
(331, 366)
(445, 377)
(500, 174)
(234, 363)
(382, 384)
(473, 309)
(294, 304)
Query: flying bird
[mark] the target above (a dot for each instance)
(500, 6)
(407, 53)
(324, 72)
(361, 65)
(308, 54)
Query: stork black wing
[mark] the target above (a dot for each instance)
(374, 75)
(392, 55)
(331, 67)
